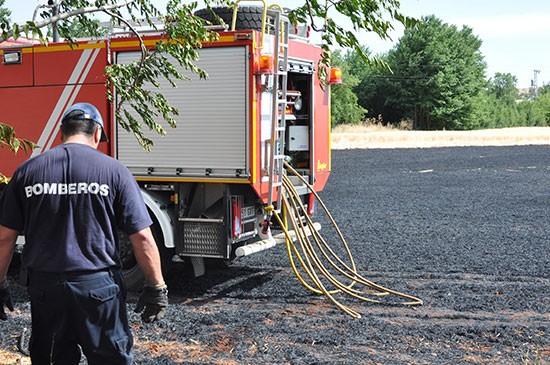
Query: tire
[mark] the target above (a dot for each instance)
(248, 17)
(134, 278)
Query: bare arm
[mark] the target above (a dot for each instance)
(7, 243)
(147, 256)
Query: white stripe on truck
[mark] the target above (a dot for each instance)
(79, 74)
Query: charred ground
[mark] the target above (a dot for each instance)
(465, 229)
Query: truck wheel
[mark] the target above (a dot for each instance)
(133, 276)
(248, 17)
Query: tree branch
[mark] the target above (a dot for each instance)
(69, 14)
(312, 19)
(141, 45)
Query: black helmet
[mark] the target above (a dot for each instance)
(86, 111)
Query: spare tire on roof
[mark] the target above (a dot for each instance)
(248, 17)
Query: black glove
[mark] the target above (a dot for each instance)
(5, 300)
(155, 301)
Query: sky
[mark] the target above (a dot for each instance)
(515, 34)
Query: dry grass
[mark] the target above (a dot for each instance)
(11, 358)
(378, 136)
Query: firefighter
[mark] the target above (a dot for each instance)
(70, 202)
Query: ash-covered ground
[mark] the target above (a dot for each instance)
(465, 229)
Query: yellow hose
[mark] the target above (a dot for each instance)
(313, 257)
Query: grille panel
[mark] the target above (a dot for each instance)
(203, 238)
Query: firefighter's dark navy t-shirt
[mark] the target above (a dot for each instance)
(70, 202)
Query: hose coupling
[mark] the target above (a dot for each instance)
(266, 226)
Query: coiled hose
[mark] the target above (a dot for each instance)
(321, 264)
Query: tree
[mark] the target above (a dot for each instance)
(186, 33)
(499, 107)
(372, 88)
(545, 89)
(504, 86)
(541, 109)
(437, 71)
(496, 105)
(344, 106)
(78, 30)
(4, 13)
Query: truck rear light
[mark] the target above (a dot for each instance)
(311, 205)
(236, 224)
(335, 76)
(266, 64)
(243, 36)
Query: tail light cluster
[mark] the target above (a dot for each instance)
(236, 216)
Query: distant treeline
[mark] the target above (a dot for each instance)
(434, 79)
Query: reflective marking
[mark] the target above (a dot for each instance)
(67, 97)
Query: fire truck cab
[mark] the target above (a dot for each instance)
(208, 182)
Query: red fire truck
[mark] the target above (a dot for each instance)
(208, 182)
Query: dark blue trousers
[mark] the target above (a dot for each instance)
(86, 309)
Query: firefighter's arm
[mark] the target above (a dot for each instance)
(154, 298)
(147, 256)
(7, 243)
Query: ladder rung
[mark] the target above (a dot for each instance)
(276, 171)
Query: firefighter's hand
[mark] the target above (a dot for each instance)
(5, 300)
(153, 302)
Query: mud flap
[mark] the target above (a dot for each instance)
(198, 266)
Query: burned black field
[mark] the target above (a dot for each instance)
(465, 229)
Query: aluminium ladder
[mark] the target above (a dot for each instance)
(280, 76)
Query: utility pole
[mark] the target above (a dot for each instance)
(534, 84)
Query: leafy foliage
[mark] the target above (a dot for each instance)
(541, 110)
(438, 81)
(5, 14)
(136, 107)
(344, 106)
(504, 86)
(438, 69)
(370, 15)
(9, 140)
(499, 106)
(79, 28)
(545, 89)
(181, 43)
